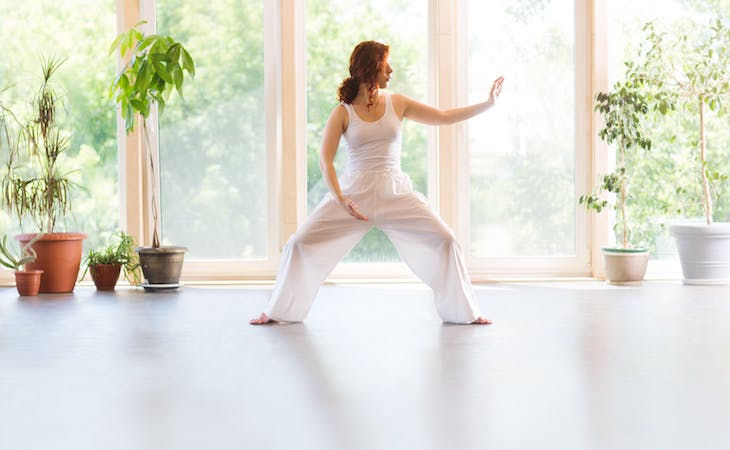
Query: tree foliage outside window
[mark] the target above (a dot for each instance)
(213, 158)
(522, 154)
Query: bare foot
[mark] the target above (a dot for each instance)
(482, 321)
(263, 319)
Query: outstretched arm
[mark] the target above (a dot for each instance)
(429, 115)
(330, 141)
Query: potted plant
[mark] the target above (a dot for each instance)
(155, 67)
(105, 265)
(694, 75)
(26, 281)
(35, 186)
(622, 110)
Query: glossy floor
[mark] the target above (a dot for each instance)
(579, 365)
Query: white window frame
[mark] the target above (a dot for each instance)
(448, 36)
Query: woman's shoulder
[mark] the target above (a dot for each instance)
(341, 115)
(399, 102)
(400, 99)
(341, 110)
(397, 96)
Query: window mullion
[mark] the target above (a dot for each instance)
(133, 183)
(448, 135)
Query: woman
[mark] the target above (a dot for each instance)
(375, 193)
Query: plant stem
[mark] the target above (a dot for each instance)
(622, 195)
(706, 197)
(155, 222)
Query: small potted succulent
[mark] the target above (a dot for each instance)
(105, 265)
(622, 109)
(156, 67)
(26, 281)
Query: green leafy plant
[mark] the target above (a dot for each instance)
(34, 185)
(693, 74)
(155, 66)
(623, 109)
(17, 259)
(121, 252)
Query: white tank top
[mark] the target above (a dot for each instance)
(373, 145)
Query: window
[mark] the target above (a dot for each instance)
(518, 169)
(333, 29)
(213, 146)
(79, 31)
(522, 161)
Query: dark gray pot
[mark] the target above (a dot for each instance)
(161, 265)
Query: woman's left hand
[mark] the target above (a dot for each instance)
(496, 90)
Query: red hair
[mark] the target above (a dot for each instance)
(366, 60)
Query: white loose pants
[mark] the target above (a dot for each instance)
(420, 236)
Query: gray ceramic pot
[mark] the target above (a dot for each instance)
(161, 265)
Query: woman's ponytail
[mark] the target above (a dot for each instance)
(348, 90)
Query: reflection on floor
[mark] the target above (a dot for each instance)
(579, 365)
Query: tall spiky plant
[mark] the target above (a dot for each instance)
(34, 186)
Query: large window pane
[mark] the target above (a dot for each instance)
(334, 27)
(213, 145)
(80, 32)
(522, 160)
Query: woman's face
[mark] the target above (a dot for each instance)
(383, 77)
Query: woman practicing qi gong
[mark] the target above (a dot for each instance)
(375, 193)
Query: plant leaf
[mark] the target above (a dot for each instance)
(160, 67)
(188, 62)
(177, 75)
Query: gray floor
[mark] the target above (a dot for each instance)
(579, 365)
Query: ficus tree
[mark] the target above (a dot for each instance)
(623, 109)
(691, 73)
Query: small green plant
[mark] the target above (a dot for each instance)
(121, 252)
(16, 260)
(155, 67)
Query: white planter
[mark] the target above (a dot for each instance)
(704, 252)
(625, 265)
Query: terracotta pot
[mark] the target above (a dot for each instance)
(28, 281)
(59, 257)
(105, 276)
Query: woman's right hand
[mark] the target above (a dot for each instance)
(352, 208)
